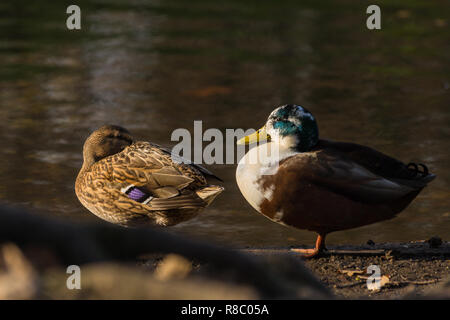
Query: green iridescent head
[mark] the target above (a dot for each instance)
(293, 126)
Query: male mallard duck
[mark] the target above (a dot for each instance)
(133, 183)
(321, 185)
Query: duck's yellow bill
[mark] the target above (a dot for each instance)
(260, 135)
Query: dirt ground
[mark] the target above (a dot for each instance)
(407, 269)
(417, 269)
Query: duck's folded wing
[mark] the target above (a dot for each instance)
(344, 176)
(377, 162)
(145, 175)
(177, 159)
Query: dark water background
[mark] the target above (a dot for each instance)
(154, 66)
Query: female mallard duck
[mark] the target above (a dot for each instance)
(134, 183)
(321, 185)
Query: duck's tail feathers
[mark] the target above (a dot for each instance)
(209, 193)
(418, 182)
(428, 178)
(420, 175)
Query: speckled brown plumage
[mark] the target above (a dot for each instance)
(113, 162)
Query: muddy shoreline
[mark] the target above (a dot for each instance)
(409, 269)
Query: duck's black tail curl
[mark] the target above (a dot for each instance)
(418, 168)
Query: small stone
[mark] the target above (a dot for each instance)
(173, 266)
(18, 278)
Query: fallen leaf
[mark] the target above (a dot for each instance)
(384, 280)
(350, 273)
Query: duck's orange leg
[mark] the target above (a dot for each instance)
(309, 253)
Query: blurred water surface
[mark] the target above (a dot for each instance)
(154, 66)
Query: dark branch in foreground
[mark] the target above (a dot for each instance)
(79, 244)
